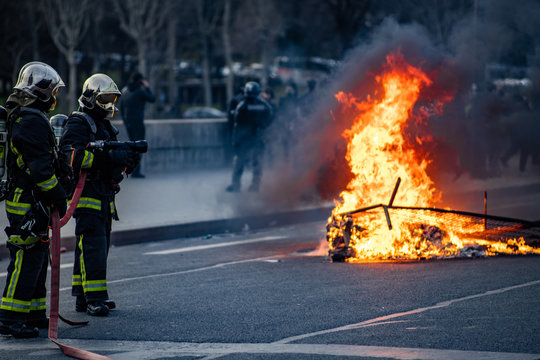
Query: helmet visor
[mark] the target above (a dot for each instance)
(106, 102)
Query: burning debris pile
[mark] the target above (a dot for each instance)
(378, 151)
(426, 233)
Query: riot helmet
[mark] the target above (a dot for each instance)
(252, 89)
(99, 95)
(41, 82)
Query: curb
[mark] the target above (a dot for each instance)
(202, 228)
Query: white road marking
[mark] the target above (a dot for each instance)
(213, 246)
(211, 267)
(151, 350)
(405, 313)
(62, 266)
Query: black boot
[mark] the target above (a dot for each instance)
(97, 308)
(110, 304)
(80, 303)
(233, 188)
(19, 330)
(42, 323)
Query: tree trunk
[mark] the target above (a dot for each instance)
(141, 46)
(227, 49)
(171, 58)
(72, 85)
(207, 84)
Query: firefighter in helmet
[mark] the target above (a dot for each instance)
(253, 114)
(34, 186)
(96, 209)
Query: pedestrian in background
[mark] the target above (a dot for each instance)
(253, 115)
(33, 179)
(96, 207)
(135, 95)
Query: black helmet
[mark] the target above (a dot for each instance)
(100, 90)
(40, 81)
(252, 89)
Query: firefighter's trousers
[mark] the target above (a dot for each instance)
(24, 296)
(93, 236)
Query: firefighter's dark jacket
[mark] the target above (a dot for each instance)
(253, 115)
(103, 176)
(32, 167)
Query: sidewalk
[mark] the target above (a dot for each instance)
(195, 203)
(187, 203)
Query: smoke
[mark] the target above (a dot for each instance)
(491, 122)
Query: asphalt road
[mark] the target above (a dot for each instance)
(268, 295)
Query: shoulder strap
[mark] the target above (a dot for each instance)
(25, 109)
(89, 120)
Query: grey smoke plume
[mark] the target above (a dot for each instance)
(489, 124)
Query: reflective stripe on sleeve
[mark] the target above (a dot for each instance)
(89, 203)
(88, 160)
(48, 184)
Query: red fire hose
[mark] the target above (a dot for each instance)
(57, 223)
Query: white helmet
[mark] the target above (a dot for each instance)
(39, 80)
(100, 90)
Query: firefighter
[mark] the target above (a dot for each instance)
(253, 114)
(34, 188)
(96, 208)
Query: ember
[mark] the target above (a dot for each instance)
(377, 153)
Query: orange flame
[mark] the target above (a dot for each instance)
(378, 153)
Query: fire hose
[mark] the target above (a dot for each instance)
(54, 315)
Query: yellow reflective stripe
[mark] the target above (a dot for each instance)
(17, 194)
(81, 261)
(48, 184)
(76, 280)
(95, 285)
(90, 203)
(111, 206)
(38, 304)
(11, 304)
(20, 162)
(88, 160)
(17, 208)
(15, 274)
(14, 239)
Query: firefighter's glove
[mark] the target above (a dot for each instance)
(61, 206)
(56, 197)
(124, 157)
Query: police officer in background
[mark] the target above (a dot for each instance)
(252, 116)
(96, 209)
(34, 189)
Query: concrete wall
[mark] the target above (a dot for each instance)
(176, 144)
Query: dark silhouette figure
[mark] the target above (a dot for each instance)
(252, 116)
(134, 98)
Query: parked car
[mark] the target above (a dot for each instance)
(203, 113)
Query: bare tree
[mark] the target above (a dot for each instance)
(258, 24)
(349, 18)
(208, 17)
(67, 21)
(140, 20)
(226, 29)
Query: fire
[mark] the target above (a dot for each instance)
(378, 153)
